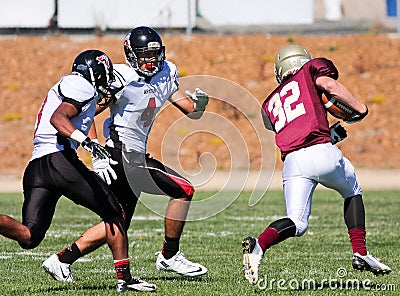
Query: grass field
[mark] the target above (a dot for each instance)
(319, 263)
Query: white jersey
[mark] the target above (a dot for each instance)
(73, 88)
(137, 104)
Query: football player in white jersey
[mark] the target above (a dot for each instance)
(54, 169)
(146, 82)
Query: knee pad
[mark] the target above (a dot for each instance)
(188, 193)
(301, 226)
(29, 246)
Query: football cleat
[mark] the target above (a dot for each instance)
(179, 264)
(135, 284)
(252, 256)
(58, 270)
(370, 263)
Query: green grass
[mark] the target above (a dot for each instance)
(316, 257)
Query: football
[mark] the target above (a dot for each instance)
(337, 108)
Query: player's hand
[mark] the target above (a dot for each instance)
(200, 99)
(95, 149)
(338, 133)
(356, 117)
(102, 167)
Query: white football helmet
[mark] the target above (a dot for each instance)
(289, 60)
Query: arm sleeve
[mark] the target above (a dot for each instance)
(323, 67)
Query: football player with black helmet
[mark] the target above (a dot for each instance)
(62, 124)
(144, 51)
(96, 69)
(295, 113)
(144, 84)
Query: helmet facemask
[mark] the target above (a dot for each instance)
(147, 61)
(106, 96)
(103, 81)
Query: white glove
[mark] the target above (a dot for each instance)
(200, 99)
(102, 167)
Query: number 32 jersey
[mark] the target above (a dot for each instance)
(136, 105)
(295, 111)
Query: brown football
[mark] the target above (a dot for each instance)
(337, 108)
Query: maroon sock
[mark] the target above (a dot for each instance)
(357, 239)
(269, 237)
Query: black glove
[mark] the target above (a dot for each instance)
(356, 117)
(95, 149)
(338, 133)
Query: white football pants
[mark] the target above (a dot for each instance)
(304, 169)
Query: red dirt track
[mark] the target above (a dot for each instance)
(368, 64)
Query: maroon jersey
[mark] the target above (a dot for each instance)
(295, 110)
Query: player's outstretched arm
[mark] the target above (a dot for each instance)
(191, 104)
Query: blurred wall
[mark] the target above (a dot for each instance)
(351, 9)
(26, 13)
(256, 12)
(122, 14)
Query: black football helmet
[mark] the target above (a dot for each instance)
(143, 46)
(96, 67)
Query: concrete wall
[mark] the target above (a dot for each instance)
(351, 9)
(123, 14)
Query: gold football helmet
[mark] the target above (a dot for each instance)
(289, 59)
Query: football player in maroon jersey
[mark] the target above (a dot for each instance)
(295, 113)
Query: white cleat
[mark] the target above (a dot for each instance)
(58, 270)
(135, 284)
(370, 263)
(252, 256)
(179, 264)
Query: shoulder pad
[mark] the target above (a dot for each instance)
(76, 87)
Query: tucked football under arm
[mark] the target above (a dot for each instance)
(340, 92)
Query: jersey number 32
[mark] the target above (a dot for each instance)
(289, 109)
